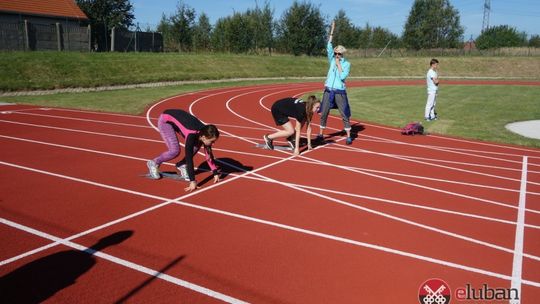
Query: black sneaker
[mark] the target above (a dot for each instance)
(268, 142)
(290, 141)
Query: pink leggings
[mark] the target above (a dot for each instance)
(169, 136)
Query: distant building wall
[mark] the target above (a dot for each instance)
(37, 33)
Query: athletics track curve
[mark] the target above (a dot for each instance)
(366, 223)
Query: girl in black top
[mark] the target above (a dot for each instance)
(298, 109)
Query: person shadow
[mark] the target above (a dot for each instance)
(355, 129)
(39, 280)
(226, 165)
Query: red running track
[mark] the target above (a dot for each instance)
(366, 223)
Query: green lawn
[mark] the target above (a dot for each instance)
(49, 70)
(476, 112)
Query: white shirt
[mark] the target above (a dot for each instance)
(431, 86)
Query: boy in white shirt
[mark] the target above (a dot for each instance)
(432, 80)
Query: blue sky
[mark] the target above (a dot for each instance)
(391, 14)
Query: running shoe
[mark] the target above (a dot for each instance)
(153, 170)
(182, 171)
(290, 141)
(348, 141)
(268, 142)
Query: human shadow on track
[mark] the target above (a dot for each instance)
(227, 166)
(330, 138)
(39, 280)
(148, 281)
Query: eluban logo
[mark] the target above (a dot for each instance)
(434, 291)
(486, 293)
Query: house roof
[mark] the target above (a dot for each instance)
(59, 8)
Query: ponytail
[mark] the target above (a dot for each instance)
(311, 101)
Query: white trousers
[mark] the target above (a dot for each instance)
(429, 112)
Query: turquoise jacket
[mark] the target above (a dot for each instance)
(335, 80)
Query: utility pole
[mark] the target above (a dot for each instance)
(487, 10)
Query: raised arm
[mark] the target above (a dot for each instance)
(332, 31)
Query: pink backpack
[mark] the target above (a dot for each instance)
(413, 128)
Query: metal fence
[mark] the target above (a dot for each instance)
(128, 41)
(510, 52)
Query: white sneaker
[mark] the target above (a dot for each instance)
(153, 169)
(182, 170)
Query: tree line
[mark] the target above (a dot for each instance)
(302, 29)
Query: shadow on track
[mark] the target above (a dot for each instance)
(38, 280)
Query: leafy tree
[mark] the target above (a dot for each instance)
(364, 36)
(104, 15)
(433, 24)
(166, 29)
(240, 33)
(501, 36)
(534, 41)
(380, 37)
(182, 26)
(245, 32)
(345, 32)
(262, 23)
(302, 29)
(201, 33)
(218, 36)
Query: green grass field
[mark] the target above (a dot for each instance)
(478, 112)
(50, 70)
(475, 112)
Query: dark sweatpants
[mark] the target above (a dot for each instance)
(339, 100)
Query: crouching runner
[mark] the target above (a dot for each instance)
(195, 133)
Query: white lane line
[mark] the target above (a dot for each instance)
(427, 163)
(151, 272)
(438, 160)
(382, 214)
(375, 175)
(268, 156)
(517, 264)
(86, 120)
(79, 131)
(362, 171)
(261, 221)
(160, 141)
(415, 205)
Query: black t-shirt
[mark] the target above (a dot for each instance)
(187, 120)
(292, 107)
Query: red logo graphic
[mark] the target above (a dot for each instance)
(434, 291)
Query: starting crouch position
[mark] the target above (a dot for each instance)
(302, 111)
(195, 133)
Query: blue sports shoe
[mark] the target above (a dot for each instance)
(348, 141)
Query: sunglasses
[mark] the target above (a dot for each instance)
(336, 54)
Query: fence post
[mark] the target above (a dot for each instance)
(136, 40)
(89, 33)
(26, 36)
(113, 35)
(58, 36)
